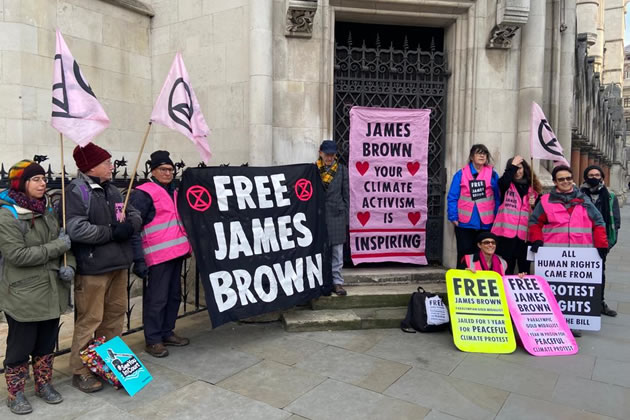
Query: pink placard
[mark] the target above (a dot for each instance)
(538, 318)
(388, 184)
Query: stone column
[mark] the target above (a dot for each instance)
(567, 77)
(532, 66)
(575, 161)
(614, 16)
(260, 82)
(583, 164)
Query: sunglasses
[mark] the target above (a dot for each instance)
(488, 243)
(567, 179)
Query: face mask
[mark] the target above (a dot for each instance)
(593, 182)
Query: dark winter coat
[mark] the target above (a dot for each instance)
(91, 215)
(338, 206)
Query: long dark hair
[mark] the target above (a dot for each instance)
(528, 173)
(480, 148)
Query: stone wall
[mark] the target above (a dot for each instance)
(212, 36)
(112, 46)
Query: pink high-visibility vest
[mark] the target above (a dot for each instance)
(564, 229)
(466, 205)
(513, 215)
(164, 238)
(470, 263)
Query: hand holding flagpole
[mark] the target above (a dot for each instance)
(75, 110)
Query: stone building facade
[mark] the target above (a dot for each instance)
(275, 77)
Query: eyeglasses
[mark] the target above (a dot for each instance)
(488, 242)
(565, 179)
(38, 179)
(166, 170)
(107, 163)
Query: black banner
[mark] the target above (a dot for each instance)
(259, 237)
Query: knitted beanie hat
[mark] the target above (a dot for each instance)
(23, 171)
(89, 156)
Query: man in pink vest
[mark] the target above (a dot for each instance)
(159, 251)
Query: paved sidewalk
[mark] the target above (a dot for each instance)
(261, 372)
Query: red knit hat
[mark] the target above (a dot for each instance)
(89, 156)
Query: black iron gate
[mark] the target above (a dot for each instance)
(398, 76)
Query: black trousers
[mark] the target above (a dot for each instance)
(466, 243)
(29, 339)
(513, 251)
(603, 276)
(161, 299)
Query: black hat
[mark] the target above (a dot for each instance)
(328, 146)
(486, 235)
(590, 168)
(161, 157)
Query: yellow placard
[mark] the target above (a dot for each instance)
(479, 312)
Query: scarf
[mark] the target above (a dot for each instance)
(327, 172)
(36, 205)
(495, 262)
(599, 193)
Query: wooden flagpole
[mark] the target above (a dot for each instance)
(133, 174)
(63, 194)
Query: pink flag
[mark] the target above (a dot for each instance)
(542, 140)
(76, 113)
(178, 109)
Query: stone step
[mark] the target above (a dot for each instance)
(343, 319)
(378, 296)
(370, 276)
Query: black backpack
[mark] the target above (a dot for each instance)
(417, 318)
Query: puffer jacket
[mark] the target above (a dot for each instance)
(91, 214)
(30, 288)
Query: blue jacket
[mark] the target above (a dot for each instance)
(453, 196)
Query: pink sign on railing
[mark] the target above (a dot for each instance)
(388, 184)
(538, 318)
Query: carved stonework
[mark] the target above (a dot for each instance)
(511, 15)
(501, 36)
(300, 15)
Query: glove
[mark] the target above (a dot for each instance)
(602, 252)
(66, 274)
(122, 231)
(536, 245)
(140, 269)
(64, 240)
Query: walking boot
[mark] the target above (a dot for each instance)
(176, 340)
(86, 382)
(16, 377)
(42, 371)
(607, 311)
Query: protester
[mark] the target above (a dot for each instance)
(518, 197)
(607, 204)
(473, 199)
(100, 236)
(159, 252)
(34, 284)
(485, 258)
(567, 218)
(335, 179)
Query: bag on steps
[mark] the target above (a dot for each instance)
(426, 312)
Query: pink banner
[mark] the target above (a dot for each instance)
(388, 184)
(538, 318)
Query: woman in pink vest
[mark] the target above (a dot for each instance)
(473, 200)
(486, 258)
(518, 198)
(566, 217)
